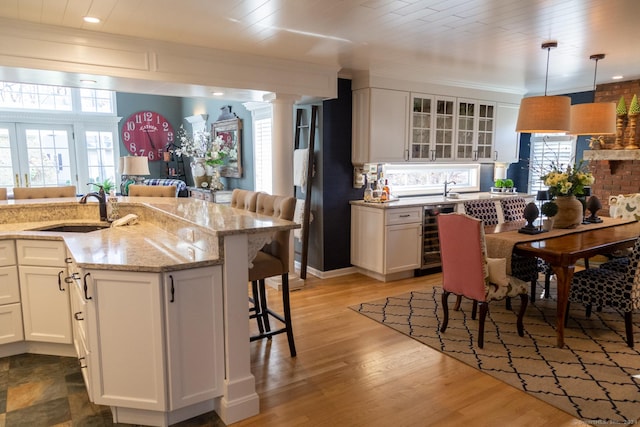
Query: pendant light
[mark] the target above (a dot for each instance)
(596, 118)
(544, 114)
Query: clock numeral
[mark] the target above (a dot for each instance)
(131, 126)
(148, 116)
(126, 136)
(141, 152)
(132, 147)
(169, 136)
(151, 155)
(138, 118)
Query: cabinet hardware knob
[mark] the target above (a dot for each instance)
(86, 287)
(405, 215)
(173, 290)
(60, 280)
(77, 314)
(80, 359)
(68, 260)
(68, 279)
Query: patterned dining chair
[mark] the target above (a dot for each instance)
(467, 272)
(484, 210)
(513, 208)
(608, 288)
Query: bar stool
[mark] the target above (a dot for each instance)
(273, 260)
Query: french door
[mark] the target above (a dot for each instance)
(37, 155)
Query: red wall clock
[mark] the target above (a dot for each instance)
(147, 133)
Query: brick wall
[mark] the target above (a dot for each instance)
(621, 176)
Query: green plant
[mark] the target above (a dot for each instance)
(549, 209)
(107, 185)
(567, 181)
(508, 183)
(499, 183)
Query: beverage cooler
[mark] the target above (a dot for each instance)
(430, 242)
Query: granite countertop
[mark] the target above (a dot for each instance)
(419, 201)
(172, 233)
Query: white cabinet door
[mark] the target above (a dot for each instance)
(11, 323)
(507, 140)
(367, 238)
(126, 343)
(45, 304)
(402, 247)
(380, 126)
(9, 285)
(475, 130)
(7, 252)
(195, 340)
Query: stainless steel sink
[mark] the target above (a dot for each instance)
(74, 228)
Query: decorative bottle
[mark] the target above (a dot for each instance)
(368, 192)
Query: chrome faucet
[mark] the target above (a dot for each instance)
(446, 188)
(102, 200)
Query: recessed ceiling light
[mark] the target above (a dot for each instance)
(91, 19)
(217, 93)
(617, 77)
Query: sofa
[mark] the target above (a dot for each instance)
(181, 186)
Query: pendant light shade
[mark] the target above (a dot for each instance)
(545, 114)
(596, 118)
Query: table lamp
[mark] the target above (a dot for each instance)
(134, 168)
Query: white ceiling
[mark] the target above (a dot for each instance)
(492, 44)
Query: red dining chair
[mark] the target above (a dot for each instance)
(467, 272)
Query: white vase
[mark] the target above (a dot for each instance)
(199, 173)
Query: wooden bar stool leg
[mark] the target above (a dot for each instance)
(286, 306)
(264, 313)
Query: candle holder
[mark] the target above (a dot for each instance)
(531, 213)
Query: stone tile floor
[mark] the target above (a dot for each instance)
(38, 390)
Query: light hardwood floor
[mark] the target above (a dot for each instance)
(353, 371)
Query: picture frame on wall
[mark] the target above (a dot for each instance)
(231, 133)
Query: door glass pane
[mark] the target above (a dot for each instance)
(48, 157)
(6, 166)
(100, 156)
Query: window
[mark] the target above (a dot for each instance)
(422, 179)
(53, 136)
(545, 149)
(262, 148)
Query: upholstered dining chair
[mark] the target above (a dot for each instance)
(273, 260)
(524, 268)
(467, 272)
(44, 192)
(610, 288)
(244, 199)
(152, 191)
(3, 193)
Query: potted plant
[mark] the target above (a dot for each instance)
(549, 210)
(498, 186)
(508, 185)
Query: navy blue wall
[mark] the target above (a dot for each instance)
(519, 172)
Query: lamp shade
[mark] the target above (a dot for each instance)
(136, 166)
(598, 118)
(543, 195)
(544, 114)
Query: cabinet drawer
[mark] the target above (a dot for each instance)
(403, 216)
(7, 253)
(45, 253)
(9, 285)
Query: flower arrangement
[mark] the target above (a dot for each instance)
(202, 145)
(569, 181)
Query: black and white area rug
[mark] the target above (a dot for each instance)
(595, 377)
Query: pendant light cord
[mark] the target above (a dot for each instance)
(546, 76)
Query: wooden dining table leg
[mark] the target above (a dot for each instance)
(564, 275)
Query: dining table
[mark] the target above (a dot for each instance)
(561, 249)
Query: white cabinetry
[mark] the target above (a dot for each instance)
(386, 243)
(475, 130)
(432, 127)
(507, 140)
(44, 291)
(155, 342)
(10, 310)
(380, 126)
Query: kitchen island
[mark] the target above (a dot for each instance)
(159, 308)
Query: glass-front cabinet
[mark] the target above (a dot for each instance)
(475, 129)
(432, 127)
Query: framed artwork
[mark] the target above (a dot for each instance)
(231, 133)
